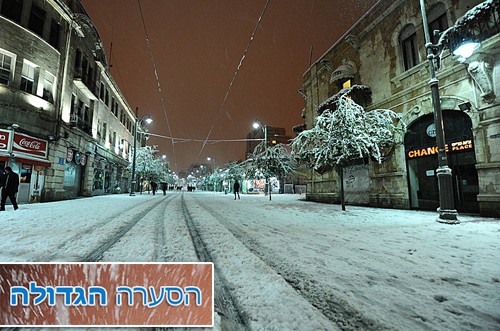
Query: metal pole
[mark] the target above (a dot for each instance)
(133, 182)
(447, 212)
(265, 151)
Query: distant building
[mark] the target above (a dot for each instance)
(65, 127)
(385, 51)
(274, 136)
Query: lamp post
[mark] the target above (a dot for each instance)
(209, 158)
(138, 121)
(258, 124)
(447, 212)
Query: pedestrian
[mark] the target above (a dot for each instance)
(236, 189)
(164, 188)
(9, 183)
(154, 186)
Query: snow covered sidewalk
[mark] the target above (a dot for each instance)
(363, 269)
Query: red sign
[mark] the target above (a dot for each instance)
(29, 145)
(4, 140)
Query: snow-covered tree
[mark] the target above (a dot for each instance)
(270, 161)
(150, 167)
(344, 132)
(215, 179)
(235, 171)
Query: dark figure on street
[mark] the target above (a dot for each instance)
(154, 186)
(9, 182)
(236, 189)
(164, 188)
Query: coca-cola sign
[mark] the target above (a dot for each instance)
(29, 145)
(4, 140)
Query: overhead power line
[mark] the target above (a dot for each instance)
(157, 80)
(208, 141)
(232, 81)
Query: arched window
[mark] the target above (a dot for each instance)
(408, 43)
(437, 20)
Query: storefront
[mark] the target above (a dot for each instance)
(27, 156)
(73, 172)
(259, 185)
(422, 162)
(104, 177)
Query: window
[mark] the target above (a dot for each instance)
(73, 100)
(37, 19)
(78, 60)
(28, 77)
(55, 32)
(438, 21)
(106, 98)
(104, 129)
(101, 92)
(79, 109)
(84, 68)
(408, 42)
(48, 87)
(5, 68)
(12, 9)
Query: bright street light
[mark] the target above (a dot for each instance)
(465, 50)
(138, 121)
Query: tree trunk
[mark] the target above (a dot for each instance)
(340, 171)
(269, 187)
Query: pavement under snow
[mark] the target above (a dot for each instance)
(289, 264)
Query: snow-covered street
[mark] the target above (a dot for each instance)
(285, 264)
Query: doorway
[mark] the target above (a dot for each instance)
(422, 162)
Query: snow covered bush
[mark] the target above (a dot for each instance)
(346, 133)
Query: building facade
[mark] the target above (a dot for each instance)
(65, 126)
(385, 51)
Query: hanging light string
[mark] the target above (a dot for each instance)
(157, 80)
(206, 140)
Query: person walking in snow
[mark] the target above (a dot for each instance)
(9, 183)
(236, 189)
(154, 186)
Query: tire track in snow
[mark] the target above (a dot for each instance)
(97, 254)
(335, 309)
(68, 243)
(224, 302)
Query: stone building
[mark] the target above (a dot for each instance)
(65, 127)
(385, 51)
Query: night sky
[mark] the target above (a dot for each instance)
(196, 47)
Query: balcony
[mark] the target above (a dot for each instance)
(78, 122)
(85, 84)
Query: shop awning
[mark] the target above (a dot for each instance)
(27, 159)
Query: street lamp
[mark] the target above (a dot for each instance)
(258, 124)
(213, 162)
(213, 170)
(447, 212)
(138, 121)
